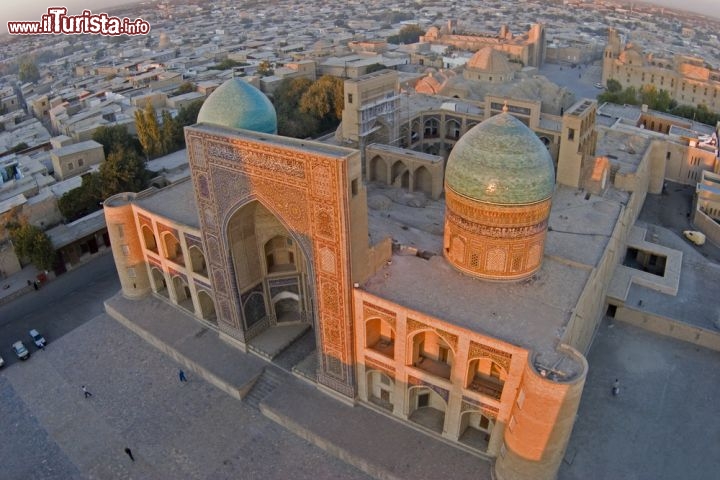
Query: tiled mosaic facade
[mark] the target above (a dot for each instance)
(305, 192)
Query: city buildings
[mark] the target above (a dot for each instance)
(689, 80)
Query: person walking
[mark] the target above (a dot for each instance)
(181, 376)
(616, 388)
(85, 392)
(129, 453)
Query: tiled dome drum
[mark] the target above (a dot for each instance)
(499, 182)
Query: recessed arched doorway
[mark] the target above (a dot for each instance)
(271, 274)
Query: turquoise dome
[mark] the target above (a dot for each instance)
(237, 104)
(501, 161)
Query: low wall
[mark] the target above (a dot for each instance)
(669, 327)
(707, 225)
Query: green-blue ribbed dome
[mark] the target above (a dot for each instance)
(501, 161)
(237, 104)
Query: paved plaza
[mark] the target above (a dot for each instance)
(175, 430)
(664, 425)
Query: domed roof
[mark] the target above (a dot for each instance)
(489, 60)
(501, 161)
(237, 104)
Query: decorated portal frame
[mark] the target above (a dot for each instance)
(305, 186)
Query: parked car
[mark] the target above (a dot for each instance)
(698, 238)
(20, 350)
(38, 339)
(2, 362)
(599, 85)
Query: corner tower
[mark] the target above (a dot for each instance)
(499, 182)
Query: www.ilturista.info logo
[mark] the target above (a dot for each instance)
(57, 21)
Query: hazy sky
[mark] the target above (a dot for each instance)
(33, 9)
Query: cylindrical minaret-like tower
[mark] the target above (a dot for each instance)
(542, 420)
(499, 182)
(126, 245)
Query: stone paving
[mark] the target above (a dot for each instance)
(664, 424)
(176, 430)
(357, 435)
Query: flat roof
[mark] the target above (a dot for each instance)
(533, 313)
(175, 202)
(66, 234)
(76, 148)
(624, 149)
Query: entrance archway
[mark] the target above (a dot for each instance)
(427, 408)
(159, 285)
(475, 430)
(270, 269)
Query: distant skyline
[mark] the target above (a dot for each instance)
(33, 9)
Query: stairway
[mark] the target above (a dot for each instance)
(268, 381)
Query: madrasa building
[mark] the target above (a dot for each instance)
(468, 318)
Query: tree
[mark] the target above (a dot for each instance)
(186, 87)
(28, 71)
(324, 100)
(114, 137)
(613, 86)
(169, 133)
(188, 115)
(227, 64)
(408, 34)
(287, 96)
(122, 171)
(375, 67)
(148, 131)
(83, 200)
(19, 147)
(32, 243)
(265, 69)
(298, 125)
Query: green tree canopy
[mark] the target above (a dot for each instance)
(658, 100)
(122, 171)
(186, 87)
(227, 64)
(32, 243)
(19, 147)
(114, 137)
(324, 99)
(169, 133)
(408, 34)
(188, 115)
(375, 67)
(28, 71)
(83, 200)
(288, 94)
(148, 130)
(613, 85)
(306, 108)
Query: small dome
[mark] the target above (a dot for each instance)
(237, 104)
(489, 60)
(501, 161)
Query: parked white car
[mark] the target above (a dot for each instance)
(698, 238)
(38, 339)
(20, 350)
(2, 362)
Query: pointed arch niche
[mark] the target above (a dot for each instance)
(270, 268)
(380, 337)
